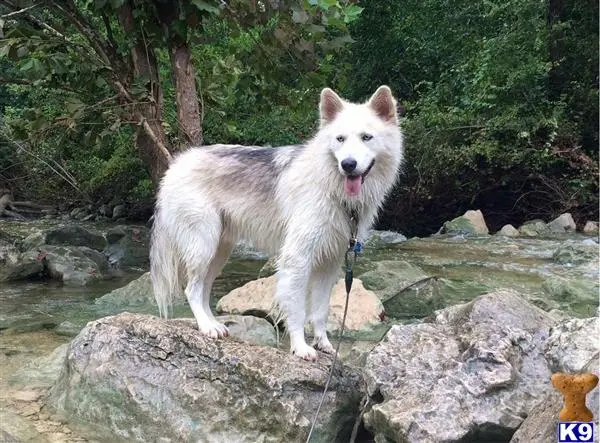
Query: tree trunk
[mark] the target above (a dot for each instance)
(150, 140)
(188, 109)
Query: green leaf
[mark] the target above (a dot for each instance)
(351, 13)
(203, 5)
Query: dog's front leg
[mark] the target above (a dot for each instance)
(292, 290)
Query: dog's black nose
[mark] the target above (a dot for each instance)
(348, 165)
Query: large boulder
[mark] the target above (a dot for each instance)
(562, 224)
(74, 266)
(471, 373)
(128, 246)
(365, 311)
(471, 223)
(65, 235)
(534, 228)
(140, 378)
(508, 231)
(15, 265)
(590, 228)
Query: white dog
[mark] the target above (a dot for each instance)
(294, 202)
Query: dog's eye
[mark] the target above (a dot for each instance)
(341, 138)
(366, 137)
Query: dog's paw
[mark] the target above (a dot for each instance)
(306, 352)
(324, 345)
(215, 330)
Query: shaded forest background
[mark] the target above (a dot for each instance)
(500, 97)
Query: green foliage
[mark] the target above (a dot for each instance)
(485, 128)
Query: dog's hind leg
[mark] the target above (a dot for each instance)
(204, 254)
(322, 280)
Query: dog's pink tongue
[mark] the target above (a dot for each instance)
(352, 185)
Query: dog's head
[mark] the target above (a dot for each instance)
(358, 133)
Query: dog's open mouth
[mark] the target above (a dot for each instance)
(353, 183)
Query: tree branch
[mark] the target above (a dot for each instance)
(20, 11)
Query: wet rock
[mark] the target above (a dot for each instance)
(65, 235)
(130, 369)
(128, 246)
(576, 293)
(591, 228)
(576, 253)
(562, 224)
(508, 231)
(118, 212)
(482, 360)
(15, 265)
(534, 228)
(365, 310)
(405, 289)
(15, 428)
(383, 238)
(42, 372)
(74, 266)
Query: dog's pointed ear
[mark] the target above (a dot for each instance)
(384, 105)
(330, 106)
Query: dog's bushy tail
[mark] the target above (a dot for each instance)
(164, 266)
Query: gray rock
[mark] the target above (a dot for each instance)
(563, 223)
(15, 428)
(572, 347)
(383, 238)
(534, 228)
(471, 223)
(65, 235)
(74, 266)
(118, 212)
(15, 265)
(508, 231)
(128, 246)
(541, 423)
(129, 369)
(41, 373)
(105, 210)
(591, 228)
(470, 374)
(391, 281)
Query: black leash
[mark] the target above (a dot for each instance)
(354, 248)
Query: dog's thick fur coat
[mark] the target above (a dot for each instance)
(292, 202)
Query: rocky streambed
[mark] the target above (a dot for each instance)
(450, 338)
